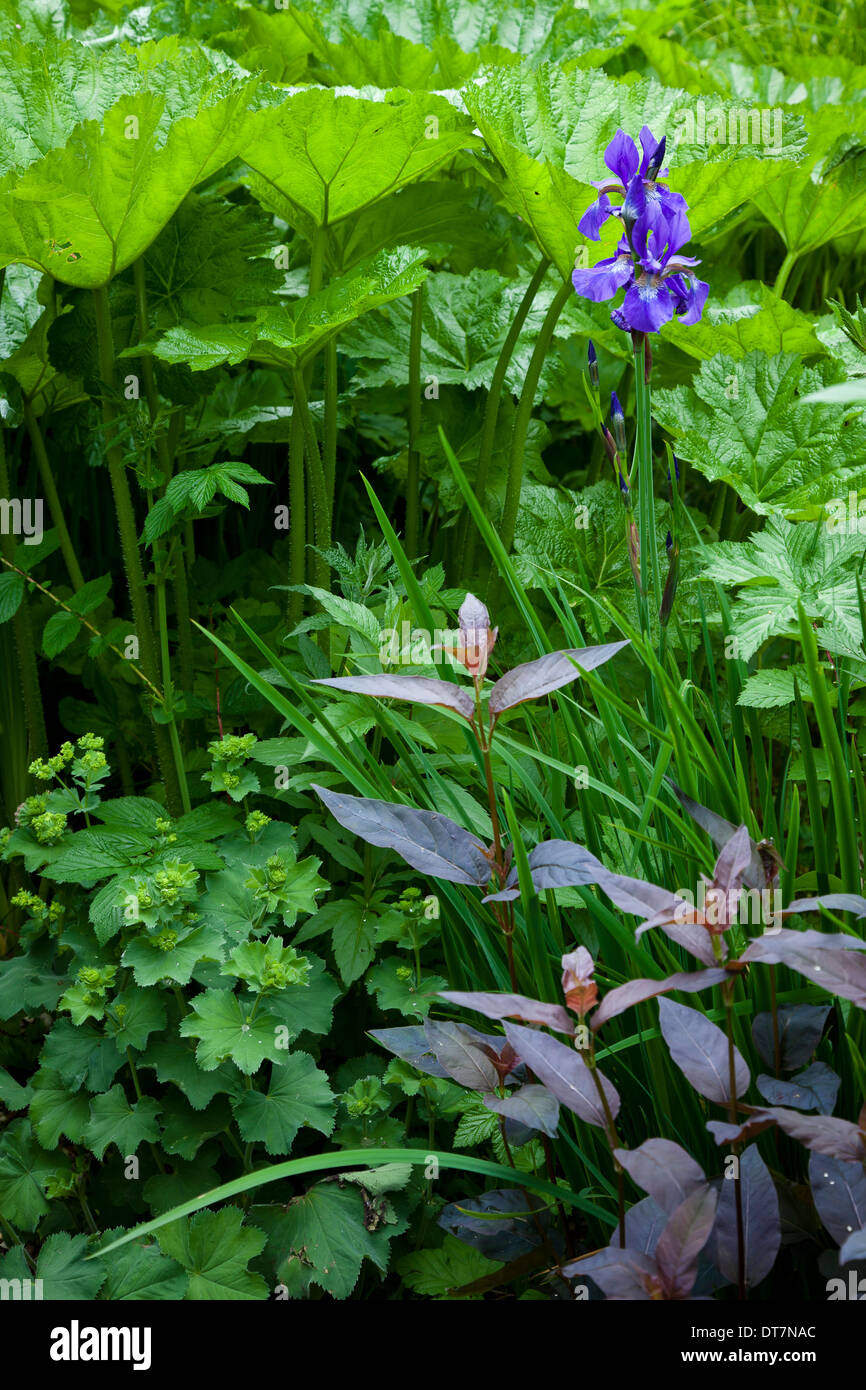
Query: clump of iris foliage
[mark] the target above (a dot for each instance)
(432, 667)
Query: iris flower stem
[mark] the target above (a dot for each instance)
(413, 481)
(650, 573)
(491, 409)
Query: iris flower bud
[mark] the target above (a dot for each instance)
(617, 420)
(592, 361)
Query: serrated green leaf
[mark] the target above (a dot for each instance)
(226, 1032)
(298, 1094)
(140, 1271)
(744, 423)
(116, 1121)
(215, 1247)
(56, 1110)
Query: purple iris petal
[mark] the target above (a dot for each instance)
(648, 145)
(601, 281)
(595, 217)
(648, 304)
(621, 157)
(690, 304)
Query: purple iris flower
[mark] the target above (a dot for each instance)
(626, 163)
(658, 281)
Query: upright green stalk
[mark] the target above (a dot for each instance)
(129, 541)
(491, 409)
(55, 506)
(163, 454)
(297, 516)
(25, 645)
(650, 573)
(413, 481)
(315, 476)
(329, 439)
(524, 414)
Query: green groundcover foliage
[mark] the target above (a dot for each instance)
(432, 650)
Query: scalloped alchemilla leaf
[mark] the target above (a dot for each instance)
(63, 1269)
(150, 963)
(549, 129)
(288, 336)
(114, 1120)
(56, 1110)
(28, 982)
(25, 1168)
(750, 318)
(700, 1050)
(139, 1271)
(321, 1238)
(298, 1094)
(89, 208)
(222, 1025)
(744, 423)
(432, 843)
(175, 1062)
(548, 673)
(327, 156)
(215, 1248)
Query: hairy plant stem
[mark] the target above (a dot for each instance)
(297, 517)
(315, 478)
(129, 542)
(55, 506)
(329, 434)
(164, 458)
(785, 269)
(728, 995)
(524, 413)
(413, 480)
(491, 410)
(25, 644)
